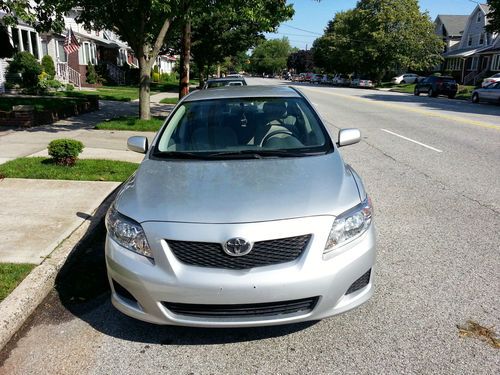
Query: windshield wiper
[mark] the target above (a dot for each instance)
(180, 155)
(259, 154)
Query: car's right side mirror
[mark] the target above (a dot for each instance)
(348, 137)
(138, 144)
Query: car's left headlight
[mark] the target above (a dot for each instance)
(350, 225)
(127, 233)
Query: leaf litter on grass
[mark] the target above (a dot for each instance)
(474, 329)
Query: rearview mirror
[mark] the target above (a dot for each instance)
(348, 137)
(138, 144)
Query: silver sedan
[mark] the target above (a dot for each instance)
(242, 213)
(490, 93)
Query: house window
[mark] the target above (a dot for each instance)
(15, 38)
(478, 17)
(61, 53)
(470, 40)
(25, 40)
(481, 39)
(122, 57)
(455, 64)
(45, 48)
(495, 63)
(474, 63)
(34, 45)
(87, 53)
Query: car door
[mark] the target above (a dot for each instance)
(493, 92)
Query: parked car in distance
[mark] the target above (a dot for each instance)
(405, 78)
(437, 85)
(489, 80)
(341, 80)
(362, 82)
(227, 81)
(308, 76)
(490, 93)
(241, 193)
(234, 75)
(316, 78)
(326, 80)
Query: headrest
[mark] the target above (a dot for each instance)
(275, 109)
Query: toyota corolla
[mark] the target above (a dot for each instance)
(242, 213)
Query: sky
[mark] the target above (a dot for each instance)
(312, 17)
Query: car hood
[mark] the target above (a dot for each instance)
(238, 191)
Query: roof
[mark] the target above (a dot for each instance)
(485, 7)
(454, 24)
(244, 92)
(226, 79)
(465, 52)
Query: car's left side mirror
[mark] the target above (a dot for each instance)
(348, 137)
(138, 144)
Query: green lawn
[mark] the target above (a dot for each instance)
(11, 275)
(169, 100)
(131, 123)
(84, 169)
(406, 88)
(465, 92)
(39, 103)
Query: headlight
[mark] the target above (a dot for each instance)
(350, 225)
(127, 233)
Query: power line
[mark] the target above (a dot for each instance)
(306, 31)
(301, 35)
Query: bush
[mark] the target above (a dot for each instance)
(65, 151)
(156, 77)
(91, 76)
(48, 66)
(48, 84)
(69, 87)
(26, 64)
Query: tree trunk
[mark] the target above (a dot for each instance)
(185, 60)
(144, 88)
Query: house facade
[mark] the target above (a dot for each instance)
(98, 47)
(477, 55)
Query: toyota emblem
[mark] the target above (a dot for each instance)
(237, 247)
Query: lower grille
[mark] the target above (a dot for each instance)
(304, 305)
(360, 283)
(264, 253)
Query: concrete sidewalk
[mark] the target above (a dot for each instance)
(37, 215)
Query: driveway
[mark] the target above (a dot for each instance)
(432, 169)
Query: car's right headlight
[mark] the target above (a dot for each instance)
(350, 225)
(127, 233)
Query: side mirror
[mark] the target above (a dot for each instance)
(348, 137)
(138, 144)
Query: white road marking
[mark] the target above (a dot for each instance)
(412, 140)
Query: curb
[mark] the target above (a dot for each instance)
(22, 302)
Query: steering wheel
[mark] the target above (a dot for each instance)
(276, 132)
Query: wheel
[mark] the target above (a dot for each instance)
(452, 96)
(416, 92)
(475, 98)
(432, 93)
(403, 82)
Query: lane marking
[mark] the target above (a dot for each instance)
(412, 140)
(410, 109)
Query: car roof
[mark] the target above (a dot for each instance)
(244, 92)
(224, 79)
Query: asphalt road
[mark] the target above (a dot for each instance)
(438, 221)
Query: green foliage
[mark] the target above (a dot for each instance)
(155, 77)
(69, 87)
(494, 17)
(378, 37)
(65, 151)
(83, 170)
(48, 66)
(91, 75)
(43, 15)
(270, 56)
(11, 275)
(131, 123)
(26, 64)
(301, 61)
(46, 85)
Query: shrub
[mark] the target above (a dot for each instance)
(156, 77)
(48, 84)
(91, 76)
(69, 87)
(26, 64)
(48, 66)
(65, 151)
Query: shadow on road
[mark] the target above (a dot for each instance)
(82, 291)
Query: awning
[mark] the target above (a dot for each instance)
(465, 52)
(104, 42)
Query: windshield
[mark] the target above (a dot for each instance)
(243, 127)
(212, 84)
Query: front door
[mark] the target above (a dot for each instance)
(485, 63)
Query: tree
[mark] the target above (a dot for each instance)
(270, 56)
(378, 37)
(494, 17)
(232, 27)
(42, 15)
(301, 61)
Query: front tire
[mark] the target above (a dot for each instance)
(416, 92)
(452, 96)
(475, 98)
(432, 93)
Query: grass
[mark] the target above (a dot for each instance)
(131, 123)
(39, 103)
(169, 100)
(83, 170)
(407, 88)
(465, 92)
(11, 275)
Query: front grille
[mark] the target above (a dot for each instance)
(360, 283)
(304, 305)
(264, 253)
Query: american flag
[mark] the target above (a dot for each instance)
(71, 43)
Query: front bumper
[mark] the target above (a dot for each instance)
(313, 274)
